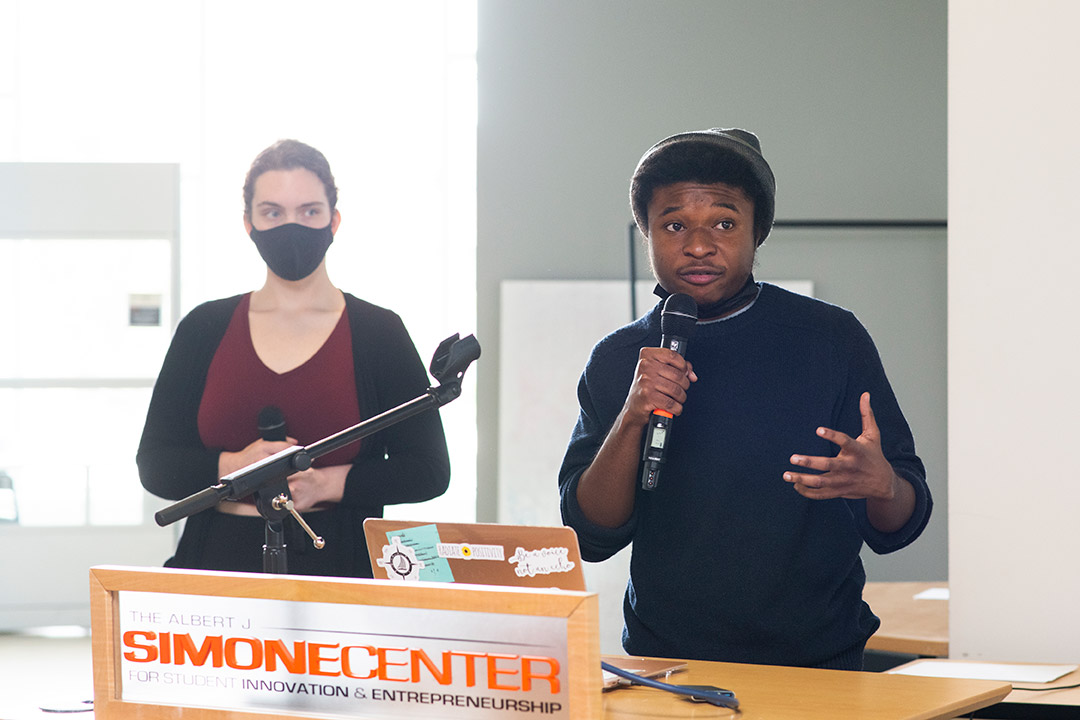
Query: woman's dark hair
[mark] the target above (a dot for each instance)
(289, 155)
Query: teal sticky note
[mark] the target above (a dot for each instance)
(424, 541)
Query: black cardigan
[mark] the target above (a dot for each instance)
(405, 463)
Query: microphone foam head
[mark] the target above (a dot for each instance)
(271, 423)
(679, 315)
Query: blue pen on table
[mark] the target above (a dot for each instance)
(714, 696)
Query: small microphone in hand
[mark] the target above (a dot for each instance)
(677, 322)
(272, 423)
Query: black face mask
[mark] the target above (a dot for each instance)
(292, 251)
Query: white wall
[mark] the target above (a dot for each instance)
(1014, 253)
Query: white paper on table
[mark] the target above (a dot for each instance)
(985, 671)
(933, 594)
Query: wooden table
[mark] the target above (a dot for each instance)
(765, 693)
(908, 625)
(1026, 698)
(785, 693)
(1028, 694)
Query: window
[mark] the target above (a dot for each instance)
(386, 90)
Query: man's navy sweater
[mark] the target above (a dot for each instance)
(729, 562)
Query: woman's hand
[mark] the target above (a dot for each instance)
(230, 462)
(318, 485)
(307, 488)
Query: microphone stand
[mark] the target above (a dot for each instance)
(267, 479)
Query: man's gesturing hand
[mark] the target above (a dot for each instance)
(859, 470)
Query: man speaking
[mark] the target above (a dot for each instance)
(786, 448)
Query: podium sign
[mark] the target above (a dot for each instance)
(186, 643)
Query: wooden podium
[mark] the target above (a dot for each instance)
(196, 645)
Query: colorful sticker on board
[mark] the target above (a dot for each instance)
(469, 551)
(400, 561)
(423, 541)
(541, 562)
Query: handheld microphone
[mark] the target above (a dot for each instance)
(271, 423)
(677, 321)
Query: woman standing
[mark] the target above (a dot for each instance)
(325, 359)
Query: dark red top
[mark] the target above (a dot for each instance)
(317, 398)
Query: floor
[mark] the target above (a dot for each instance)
(48, 670)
